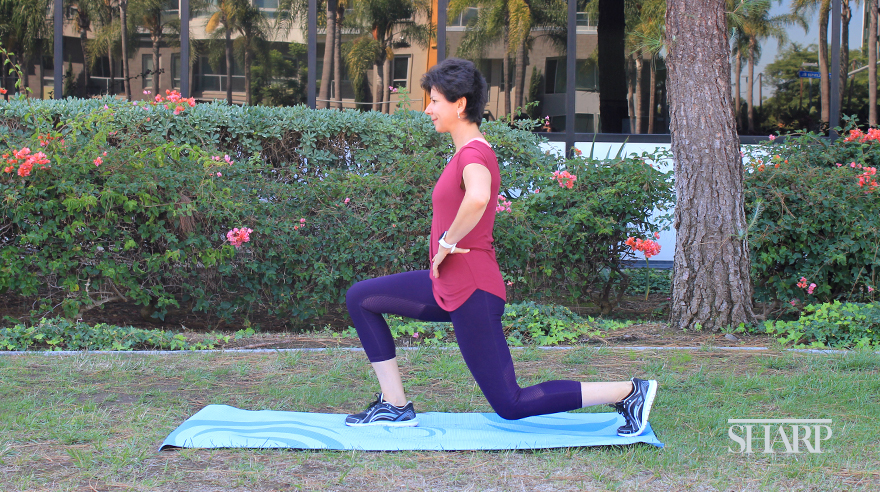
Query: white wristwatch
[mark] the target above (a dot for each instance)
(445, 244)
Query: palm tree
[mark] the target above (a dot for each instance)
(148, 15)
(806, 8)
(27, 25)
(123, 31)
(83, 20)
(757, 24)
(872, 64)
(225, 18)
(329, 48)
(740, 45)
(252, 28)
(507, 21)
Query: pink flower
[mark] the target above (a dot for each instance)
(772, 137)
(239, 236)
(656, 235)
(510, 282)
(870, 289)
(839, 164)
(106, 107)
(811, 288)
(227, 159)
(219, 174)
(346, 200)
(802, 283)
(416, 335)
(794, 302)
(147, 93)
(98, 161)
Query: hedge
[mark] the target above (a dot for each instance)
(136, 201)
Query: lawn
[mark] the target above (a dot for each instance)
(94, 422)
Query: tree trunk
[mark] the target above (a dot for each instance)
(845, 16)
(629, 66)
(386, 87)
(247, 74)
(640, 66)
(40, 71)
(520, 74)
(25, 69)
(872, 64)
(156, 84)
(711, 285)
(652, 96)
(737, 109)
(824, 81)
(228, 65)
(112, 89)
(378, 35)
(126, 75)
(86, 75)
(505, 69)
(612, 71)
(337, 56)
(329, 44)
(750, 89)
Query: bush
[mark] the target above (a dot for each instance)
(812, 220)
(61, 334)
(836, 324)
(136, 202)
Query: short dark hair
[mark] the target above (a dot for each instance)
(456, 78)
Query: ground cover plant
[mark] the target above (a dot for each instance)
(94, 422)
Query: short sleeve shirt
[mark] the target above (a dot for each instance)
(462, 274)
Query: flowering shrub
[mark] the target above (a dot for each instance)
(813, 231)
(136, 206)
(831, 325)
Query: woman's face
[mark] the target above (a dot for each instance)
(443, 113)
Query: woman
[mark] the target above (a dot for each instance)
(464, 283)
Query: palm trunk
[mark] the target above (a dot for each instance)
(652, 96)
(640, 65)
(247, 74)
(112, 89)
(378, 63)
(228, 65)
(40, 71)
(126, 76)
(711, 285)
(86, 74)
(750, 90)
(386, 87)
(337, 57)
(329, 44)
(872, 64)
(824, 81)
(505, 69)
(520, 74)
(845, 16)
(738, 108)
(630, 92)
(156, 64)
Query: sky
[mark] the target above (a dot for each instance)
(770, 48)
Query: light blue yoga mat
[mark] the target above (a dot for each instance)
(222, 426)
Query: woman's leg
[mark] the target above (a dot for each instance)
(404, 294)
(481, 339)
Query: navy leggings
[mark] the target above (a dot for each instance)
(478, 330)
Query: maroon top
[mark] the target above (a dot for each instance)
(462, 274)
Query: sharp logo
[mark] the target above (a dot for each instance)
(794, 435)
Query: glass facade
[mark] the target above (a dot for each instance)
(583, 66)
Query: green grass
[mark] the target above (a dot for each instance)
(96, 421)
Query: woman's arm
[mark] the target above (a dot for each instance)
(478, 191)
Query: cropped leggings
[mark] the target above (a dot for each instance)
(478, 330)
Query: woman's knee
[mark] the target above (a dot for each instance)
(507, 407)
(356, 293)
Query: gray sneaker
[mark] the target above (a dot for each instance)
(636, 407)
(380, 412)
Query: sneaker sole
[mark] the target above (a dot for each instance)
(649, 400)
(385, 423)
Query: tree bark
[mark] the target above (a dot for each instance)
(329, 44)
(520, 74)
(640, 66)
(750, 89)
(83, 26)
(652, 102)
(737, 109)
(123, 19)
(872, 64)
(228, 64)
(824, 81)
(386, 87)
(378, 64)
(248, 58)
(612, 70)
(337, 56)
(711, 285)
(630, 92)
(505, 69)
(112, 89)
(40, 71)
(156, 85)
(845, 16)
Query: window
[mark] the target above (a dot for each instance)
(462, 19)
(147, 70)
(175, 70)
(586, 77)
(400, 72)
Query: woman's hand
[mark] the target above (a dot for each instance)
(441, 255)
